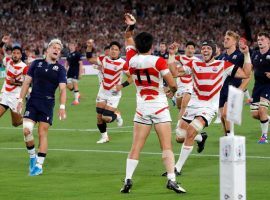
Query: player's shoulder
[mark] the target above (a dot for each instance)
(38, 62)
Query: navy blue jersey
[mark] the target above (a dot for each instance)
(261, 64)
(46, 78)
(237, 58)
(73, 60)
(163, 55)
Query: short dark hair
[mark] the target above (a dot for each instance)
(144, 42)
(116, 44)
(17, 48)
(106, 47)
(264, 33)
(190, 43)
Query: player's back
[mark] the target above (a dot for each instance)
(147, 71)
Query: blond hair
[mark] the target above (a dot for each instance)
(233, 34)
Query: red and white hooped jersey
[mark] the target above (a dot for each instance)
(13, 71)
(184, 80)
(208, 79)
(147, 72)
(112, 71)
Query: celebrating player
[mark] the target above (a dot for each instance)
(208, 76)
(45, 75)
(15, 72)
(112, 68)
(152, 107)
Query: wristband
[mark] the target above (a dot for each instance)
(62, 106)
(125, 84)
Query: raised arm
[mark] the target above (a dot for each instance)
(130, 22)
(90, 51)
(245, 72)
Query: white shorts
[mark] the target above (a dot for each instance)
(196, 111)
(152, 113)
(111, 98)
(182, 90)
(72, 80)
(10, 100)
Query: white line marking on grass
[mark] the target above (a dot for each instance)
(126, 152)
(113, 129)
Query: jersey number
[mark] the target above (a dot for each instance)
(145, 71)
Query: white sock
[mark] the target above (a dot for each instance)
(105, 134)
(76, 95)
(130, 168)
(32, 152)
(247, 94)
(198, 138)
(40, 161)
(185, 152)
(264, 128)
(171, 176)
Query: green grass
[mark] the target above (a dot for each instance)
(96, 171)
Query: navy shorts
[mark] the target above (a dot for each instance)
(260, 91)
(39, 110)
(73, 73)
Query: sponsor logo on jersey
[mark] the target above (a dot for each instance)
(55, 68)
(39, 64)
(234, 57)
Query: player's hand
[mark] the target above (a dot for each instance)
(267, 74)
(243, 46)
(129, 19)
(118, 87)
(62, 114)
(169, 94)
(6, 39)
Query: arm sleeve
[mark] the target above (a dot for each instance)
(162, 66)
(100, 59)
(130, 52)
(62, 78)
(229, 68)
(25, 70)
(31, 69)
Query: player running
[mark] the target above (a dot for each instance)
(208, 77)
(15, 72)
(112, 68)
(148, 72)
(74, 68)
(45, 75)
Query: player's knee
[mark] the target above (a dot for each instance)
(16, 124)
(263, 108)
(180, 135)
(195, 127)
(108, 116)
(28, 131)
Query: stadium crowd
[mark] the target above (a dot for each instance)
(33, 23)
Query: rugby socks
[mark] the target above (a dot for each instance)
(184, 154)
(76, 95)
(40, 159)
(264, 127)
(32, 151)
(130, 168)
(103, 129)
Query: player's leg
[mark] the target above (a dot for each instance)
(3, 109)
(43, 148)
(101, 124)
(263, 113)
(163, 131)
(28, 126)
(110, 112)
(226, 123)
(70, 84)
(76, 91)
(16, 118)
(248, 97)
(140, 134)
(193, 129)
